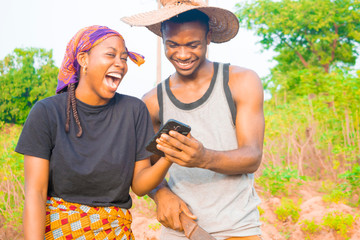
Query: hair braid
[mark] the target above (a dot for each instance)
(67, 124)
(74, 109)
(71, 103)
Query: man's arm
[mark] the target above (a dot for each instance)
(169, 205)
(247, 92)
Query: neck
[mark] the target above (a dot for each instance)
(86, 95)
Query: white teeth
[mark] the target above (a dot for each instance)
(115, 75)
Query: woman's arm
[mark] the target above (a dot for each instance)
(147, 177)
(36, 184)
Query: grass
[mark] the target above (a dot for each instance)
(12, 177)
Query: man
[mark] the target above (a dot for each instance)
(212, 180)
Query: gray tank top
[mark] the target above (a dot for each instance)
(225, 205)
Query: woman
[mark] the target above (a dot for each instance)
(84, 147)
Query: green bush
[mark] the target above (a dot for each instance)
(26, 76)
(288, 210)
(310, 228)
(340, 222)
(336, 196)
(279, 180)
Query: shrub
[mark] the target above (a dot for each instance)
(340, 222)
(288, 210)
(279, 180)
(310, 228)
(336, 196)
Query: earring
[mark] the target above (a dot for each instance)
(84, 70)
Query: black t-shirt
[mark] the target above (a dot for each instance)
(97, 168)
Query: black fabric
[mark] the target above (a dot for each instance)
(160, 102)
(193, 105)
(228, 94)
(97, 168)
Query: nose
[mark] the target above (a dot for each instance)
(183, 53)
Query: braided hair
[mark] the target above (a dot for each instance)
(71, 103)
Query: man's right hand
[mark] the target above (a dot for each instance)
(169, 207)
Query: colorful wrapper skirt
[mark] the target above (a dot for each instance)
(65, 220)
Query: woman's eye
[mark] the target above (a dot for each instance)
(111, 54)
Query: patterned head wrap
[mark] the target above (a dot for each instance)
(83, 41)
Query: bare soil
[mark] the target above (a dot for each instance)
(313, 208)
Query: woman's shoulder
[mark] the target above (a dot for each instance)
(51, 103)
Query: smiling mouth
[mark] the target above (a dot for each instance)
(184, 64)
(113, 80)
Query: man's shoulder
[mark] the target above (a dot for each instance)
(151, 100)
(242, 72)
(242, 76)
(150, 96)
(244, 81)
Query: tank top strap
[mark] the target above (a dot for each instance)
(159, 91)
(227, 91)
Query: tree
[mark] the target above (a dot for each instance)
(26, 76)
(306, 33)
(312, 38)
(313, 115)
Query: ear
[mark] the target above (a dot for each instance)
(208, 37)
(83, 59)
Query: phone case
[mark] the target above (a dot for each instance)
(171, 124)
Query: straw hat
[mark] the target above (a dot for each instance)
(223, 23)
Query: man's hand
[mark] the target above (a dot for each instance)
(183, 150)
(169, 207)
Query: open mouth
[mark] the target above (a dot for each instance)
(113, 80)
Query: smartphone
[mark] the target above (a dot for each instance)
(171, 124)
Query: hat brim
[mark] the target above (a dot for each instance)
(223, 24)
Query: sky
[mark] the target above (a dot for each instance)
(50, 24)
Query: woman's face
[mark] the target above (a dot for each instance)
(105, 68)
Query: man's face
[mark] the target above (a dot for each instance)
(185, 46)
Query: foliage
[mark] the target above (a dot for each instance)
(308, 33)
(26, 76)
(279, 180)
(310, 228)
(340, 222)
(288, 210)
(317, 130)
(352, 182)
(261, 211)
(336, 196)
